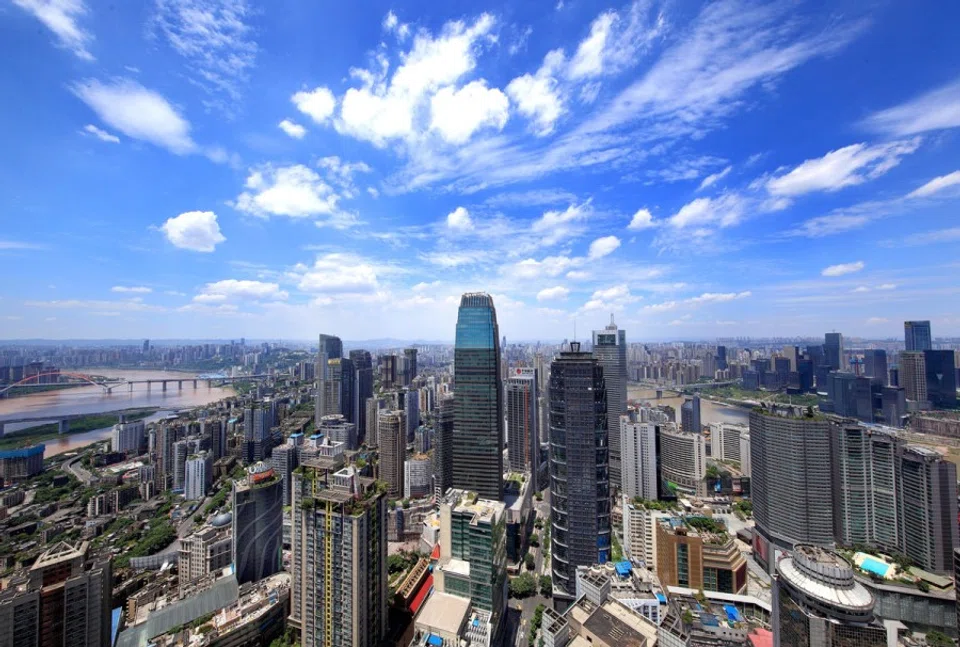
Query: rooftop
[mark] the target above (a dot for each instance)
(616, 625)
(443, 613)
(826, 576)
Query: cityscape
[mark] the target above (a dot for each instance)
(553, 323)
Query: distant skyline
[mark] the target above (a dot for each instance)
(702, 170)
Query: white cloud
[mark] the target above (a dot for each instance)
(390, 21)
(887, 286)
(458, 114)
(16, 244)
(294, 191)
(861, 288)
(642, 219)
(616, 41)
(459, 219)
(230, 289)
(537, 96)
(843, 167)
(877, 320)
(455, 258)
(217, 42)
(293, 129)
(555, 226)
(588, 61)
(710, 180)
(318, 103)
(138, 113)
(103, 306)
(197, 231)
(724, 211)
(842, 269)
(578, 275)
(949, 235)
(100, 134)
(831, 224)
(380, 111)
(936, 110)
(136, 289)
(339, 274)
(936, 185)
(553, 294)
(530, 268)
(61, 17)
(661, 307)
(717, 297)
(602, 247)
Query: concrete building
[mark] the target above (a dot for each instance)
(791, 482)
(940, 368)
(927, 497)
(129, 437)
(478, 419)
(698, 553)
(451, 621)
(198, 476)
(473, 557)
(329, 347)
(417, 476)
(638, 451)
(640, 531)
(257, 523)
(683, 460)
(285, 459)
(818, 603)
(339, 430)
(372, 436)
(338, 558)
(913, 378)
(443, 445)
(363, 389)
(206, 551)
(17, 465)
(393, 450)
(579, 484)
(181, 451)
(690, 415)
(523, 445)
(725, 438)
(410, 354)
(875, 364)
(833, 351)
(62, 600)
(917, 336)
(610, 349)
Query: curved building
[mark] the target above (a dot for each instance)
(683, 460)
(257, 524)
(818, 603)
(478, 406)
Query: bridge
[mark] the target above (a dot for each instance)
(108, 385)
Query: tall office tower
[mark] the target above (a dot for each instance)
(392, 427)
(610, 349)
(579, 481)
(167, 436)
(63, 600)
(286, 458)
(371, 434)
(198, 476)
(894, 405)
(181, 449)
(363, 367)
(338, 594)
(256, 423)
(129, 437)
(411, 406)
(329, 347)
(523, 446)
(916, 336)
(928, 508)
(332, 385)
(416, 477)
(913, 376)
(473, 553)
(865, 465)
(875, 364)
(217, 431)
(818, 603)
(805, 374)
(443, 445)
(683, 459)
(348, 389)
(411, 355)
(721, 357)
(146, 345)
(690, 415)
(940, 367)
(790, 483)
(257, 524)
(833, 350)
(638, 447)
(956, 578)
(725, 437)
(791, 354)
(478, 405)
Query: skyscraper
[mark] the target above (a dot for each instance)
(198, 476)
(916, 336)
(690, 415)
(332, 387)
(610, 349)
(286, 458)
(478, 418)
(443, 445)
(721, 357)
(348, 390)
(913, 377)
(638, 447)
(363, 367)
(329, 347)
(393, 449)
(411, 405)
(579, 477)
(338, 558)
(523, 448)
(833, 350)
(791, 484)
(411, 356)
(928, 508)
(257, 524)
(875, 364)
(940, 368)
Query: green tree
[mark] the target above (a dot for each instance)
(523, 586)
(546, 586)
(939, 639)
(529, 562)
(534, 539)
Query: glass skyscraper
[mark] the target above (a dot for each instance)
(916, 336)
(478, 405)
(610, 349)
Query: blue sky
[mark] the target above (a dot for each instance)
(182, 168)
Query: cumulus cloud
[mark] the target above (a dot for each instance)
(295, 191)
(197, 231)
(553, 294)
(459, 219)
(603, 246)
(338, 273)
(458, 114)
(537, 96)
(642, 219)
(843, 268)
(724, 211)
(318, 103)
(230, 289)
(293, 129)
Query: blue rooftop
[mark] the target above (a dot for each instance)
(732, 614)
(661, 598)
(624, 568)
(24, 452)
(434, 640)
(875, 566)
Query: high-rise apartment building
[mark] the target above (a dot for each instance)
(913, 377)
(338, 558)
(393, 449)
(129, 437)
(257, 524)
(579, 477)
(610, 349)
(916, 336)
(638, 449)
(410, 354)
(927, 497)
(363, 389)
(329, 347)
(940, 368)
(286, 458)
(683, 459)
(791, 484)
(875, 364)
(443, 445)
(181, 450)
(817, 602)
(217, 431)
(640, 530)
(371, 433)
(690, 415)
(198, 476)
(478, 418)
(523, 446)
(833, 350)
(411, 406)
(348, 390)
(63, 600)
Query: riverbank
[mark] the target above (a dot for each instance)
(41, 433)
(748, 399)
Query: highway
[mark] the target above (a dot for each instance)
(74, 467)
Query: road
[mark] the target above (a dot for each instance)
(185, 527)
(73, 466)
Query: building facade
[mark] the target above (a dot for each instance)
(683, 460)
(638, 451)
(393, 449)
(927, 499)
(917, 336)
(257, 524)
(610, 349)
(198, 476)
(913, 378)
(523, 446)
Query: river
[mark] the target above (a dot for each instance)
(92, 399)
(710, 411)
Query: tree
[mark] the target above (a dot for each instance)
(939, 639)
(396, 563)
(534, 539)
(523, 586)
(546, 585)
(529, 562)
